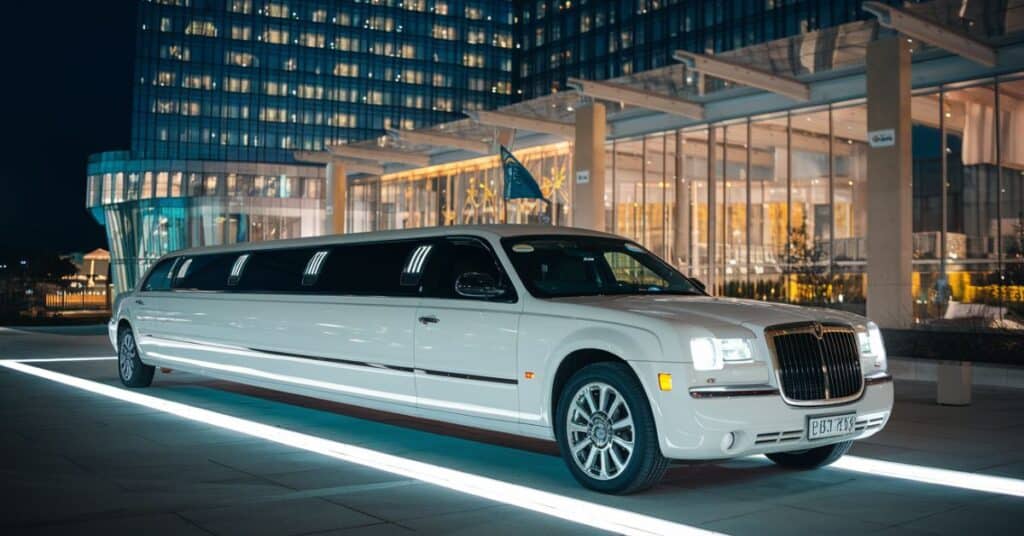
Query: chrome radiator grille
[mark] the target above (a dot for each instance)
(816, 364)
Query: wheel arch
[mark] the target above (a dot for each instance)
(571, 364)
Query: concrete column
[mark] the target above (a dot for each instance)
(337, 192)
(588, 158)
(953, 383)
(681, 233)
(889, 238)
(711, 281)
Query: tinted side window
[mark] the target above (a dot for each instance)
(207, 272)
(160, 277)
(278, 270)
(458, 256)
(367, 270)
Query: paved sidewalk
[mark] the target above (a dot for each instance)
(75, 462)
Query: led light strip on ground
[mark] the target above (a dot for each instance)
(931, 475)
(575, 510)
(65, 359)
(928, 475)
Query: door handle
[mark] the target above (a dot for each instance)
(429, 320)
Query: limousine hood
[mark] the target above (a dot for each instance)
(709, 312)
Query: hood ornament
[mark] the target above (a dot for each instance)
(818, 331)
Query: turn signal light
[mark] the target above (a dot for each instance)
(664, 381)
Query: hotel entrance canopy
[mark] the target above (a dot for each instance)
(819, 67)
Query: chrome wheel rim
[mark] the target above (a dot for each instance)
(600, 431)
(126, 357)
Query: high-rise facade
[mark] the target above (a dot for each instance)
(600, 39)
(225, 91)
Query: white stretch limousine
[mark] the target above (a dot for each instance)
(577, 336)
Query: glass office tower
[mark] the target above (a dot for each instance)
(226, 91)
(601, 39)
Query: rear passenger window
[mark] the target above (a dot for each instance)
(275, 270)
(367, 269)
(205, 272)
(458, 256)
(161, 276)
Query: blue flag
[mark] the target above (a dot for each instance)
(519, 184)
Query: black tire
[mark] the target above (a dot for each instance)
(811, 458)
(645, 465)
(132, 371)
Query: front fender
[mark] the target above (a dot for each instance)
(545, 342)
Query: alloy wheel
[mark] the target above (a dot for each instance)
(600, 431)
(126, 357)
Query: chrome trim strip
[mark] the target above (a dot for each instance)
(877, 378)
(815, 328)
(729, 391)
(398, 368)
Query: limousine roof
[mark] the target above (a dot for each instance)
(492, 231)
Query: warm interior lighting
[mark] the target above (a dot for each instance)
(575, 510)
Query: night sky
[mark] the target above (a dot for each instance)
(66, 93)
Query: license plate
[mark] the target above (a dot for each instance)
(831, 426)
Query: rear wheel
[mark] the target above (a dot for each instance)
(811, 458)
(132, 371)
(606, 430)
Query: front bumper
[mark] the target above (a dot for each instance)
(694, 426)
(112, 331)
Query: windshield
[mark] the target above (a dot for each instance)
(554, 266)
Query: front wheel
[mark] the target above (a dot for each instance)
(131, 369)
(811, 458)
(606, 430)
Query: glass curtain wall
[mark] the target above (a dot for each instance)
(466, 193)
(968, 205)
(775, 207)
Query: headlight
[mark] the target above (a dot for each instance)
(870, 340)
(713, 354)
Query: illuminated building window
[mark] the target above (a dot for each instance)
(175, 52)
(441, 31)
(312, 39)
(240, 6)
(476, 37)
(346, 69)
(189, 108)
(164, 79)
(407, 51)
(275, 35)
(197, 81)
(473, 60)
(241, 59)
(203, 28)
(277, 10)
(163, 106)
(241, 33)
(165, 25)
(346, 43)
(237, 85)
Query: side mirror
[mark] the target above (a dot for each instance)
(699, 284)
(478, 285)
